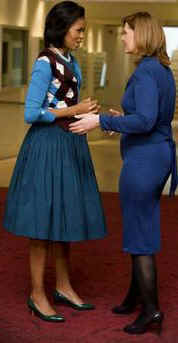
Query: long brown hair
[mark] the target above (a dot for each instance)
(149, 36)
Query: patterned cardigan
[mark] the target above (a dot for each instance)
(55, 84)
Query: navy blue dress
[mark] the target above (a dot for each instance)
(53, 194)
(148, 152)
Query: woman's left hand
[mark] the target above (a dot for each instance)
(86, 123)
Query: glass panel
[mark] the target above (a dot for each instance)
(171, 34)
(14, 58)
(17, 58)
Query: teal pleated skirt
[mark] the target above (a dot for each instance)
(53, 194)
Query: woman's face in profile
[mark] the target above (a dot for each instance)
(128, 39)
(75, 35)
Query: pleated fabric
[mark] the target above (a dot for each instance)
(53, 193)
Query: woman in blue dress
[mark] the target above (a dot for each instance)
(53, 195)
(149, 157)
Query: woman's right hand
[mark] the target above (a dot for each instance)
(88, 105)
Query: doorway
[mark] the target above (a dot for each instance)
(14, 57)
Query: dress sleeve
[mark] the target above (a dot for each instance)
(146, 97)
(37, 92)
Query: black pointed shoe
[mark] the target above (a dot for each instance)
(62, 299)
(144, 322)
(127, 307)
(55, 318)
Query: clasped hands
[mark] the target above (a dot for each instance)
(89, 120)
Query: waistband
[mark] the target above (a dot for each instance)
(61, 122)
(64, 122)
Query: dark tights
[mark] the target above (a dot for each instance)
(144, 283)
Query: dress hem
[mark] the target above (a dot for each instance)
(57, 240)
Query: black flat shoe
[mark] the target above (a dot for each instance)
(52, 318)
(126, 308)
(144, 322)
(60, 298)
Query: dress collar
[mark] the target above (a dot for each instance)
(57, 52)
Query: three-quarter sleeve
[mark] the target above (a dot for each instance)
(37, 92)
(146, 98)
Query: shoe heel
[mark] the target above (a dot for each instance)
(49, 318)
(158, 323)
(152, 322)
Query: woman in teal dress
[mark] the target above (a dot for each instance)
(53, 195)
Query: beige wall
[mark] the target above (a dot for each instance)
(31, 13)
(111, 12)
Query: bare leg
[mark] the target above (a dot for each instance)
(63, 284)
(38, 255)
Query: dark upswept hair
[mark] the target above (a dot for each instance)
(149, 36)
(59, 20)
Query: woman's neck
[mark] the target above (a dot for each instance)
(62, 51)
